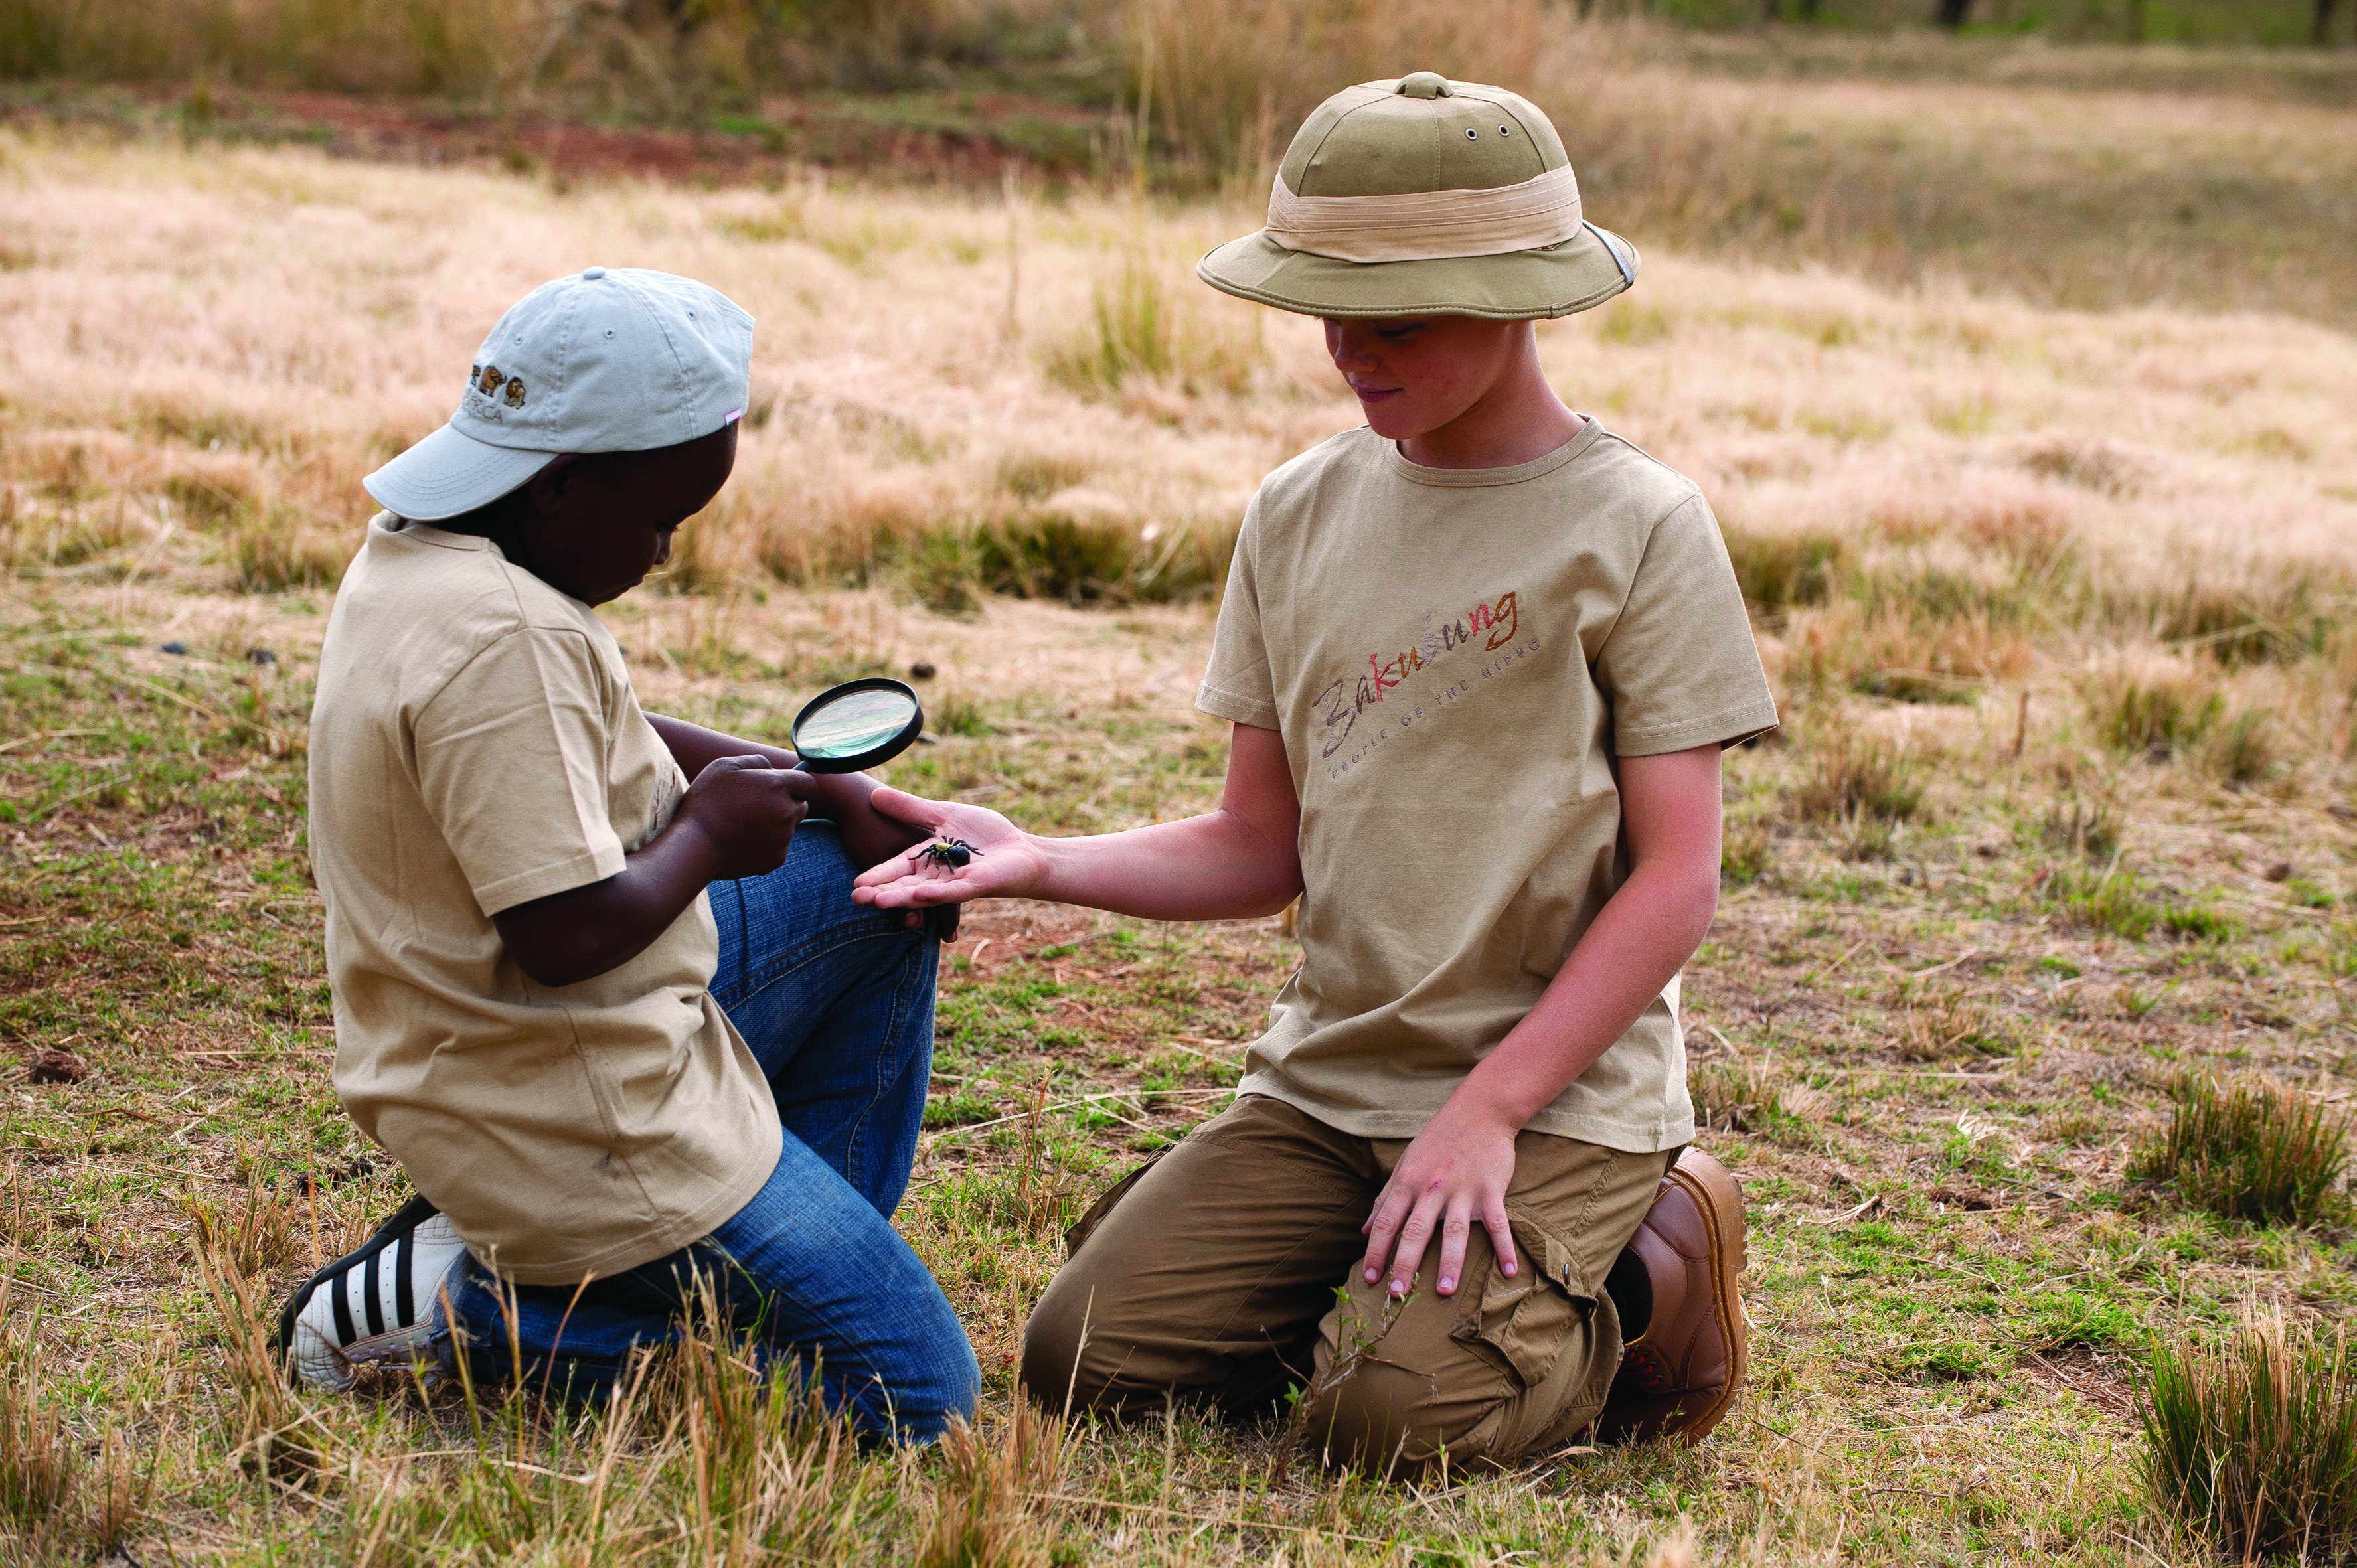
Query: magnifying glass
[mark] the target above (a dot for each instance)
(857, 726)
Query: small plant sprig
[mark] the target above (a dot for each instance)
(2249, 1150)
(1352, 1332)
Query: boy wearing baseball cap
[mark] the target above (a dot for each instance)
(616, 1018)
(1482, 657)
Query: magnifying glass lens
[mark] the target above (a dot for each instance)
(854, 723)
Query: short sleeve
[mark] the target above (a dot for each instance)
(1680, 666)
(512, 760)
(1238, 684)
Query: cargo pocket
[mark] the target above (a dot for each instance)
(1086, 1225)
(1524, 1319)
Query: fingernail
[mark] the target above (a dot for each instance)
(1510, 1268)
(1371, 1276)
(1447, 1284)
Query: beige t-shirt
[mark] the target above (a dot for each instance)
(476, 745)
(1454, 657)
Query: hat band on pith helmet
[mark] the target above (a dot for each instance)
(1428, 225)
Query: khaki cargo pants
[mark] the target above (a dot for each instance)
(1227, 1271)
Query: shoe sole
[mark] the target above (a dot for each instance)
(1713, 1190)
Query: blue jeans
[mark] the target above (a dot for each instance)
(836, 1002)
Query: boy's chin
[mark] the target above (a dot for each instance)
(1395, 423)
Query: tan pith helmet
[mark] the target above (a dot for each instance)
(1425, 197)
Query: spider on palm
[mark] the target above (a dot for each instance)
(952, 852)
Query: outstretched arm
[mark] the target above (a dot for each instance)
(1456, 1172)
(1241, 860)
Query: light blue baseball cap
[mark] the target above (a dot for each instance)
(612, 360)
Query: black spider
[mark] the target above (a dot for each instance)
(947, 852)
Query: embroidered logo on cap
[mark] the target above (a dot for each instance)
(515, 392)
(487, 379)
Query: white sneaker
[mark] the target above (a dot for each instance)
(374, 1303)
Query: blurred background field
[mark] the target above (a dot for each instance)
(2019, 360)
(2037, 153)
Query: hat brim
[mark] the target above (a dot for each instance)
(449, 474)
(1580, 273)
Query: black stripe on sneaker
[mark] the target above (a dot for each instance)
(396, 1228)
(404, 1308)
(339, 1298)
(371, 1294)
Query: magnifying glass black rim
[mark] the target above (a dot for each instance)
(859, 762)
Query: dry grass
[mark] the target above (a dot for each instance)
(1931, 496)
(1991, 540)
(2085, 177)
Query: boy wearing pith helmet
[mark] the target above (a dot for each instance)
(1482, 657)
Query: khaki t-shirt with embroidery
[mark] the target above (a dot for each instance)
(476, 745)
(1454, 658)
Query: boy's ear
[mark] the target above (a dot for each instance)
(547, 489)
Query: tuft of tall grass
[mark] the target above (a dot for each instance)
(267, 1427)
(944, 568)
(2114, 900)
(1136, 330)
(1778, 571)
(2278, 618)
(2155, 711)
(988, 1510)
(2248, 1150)
(41, 1463)
(1747, 850)
(2252, 1445)
(120, 1503)
(2090, 828)
(1127, 334)
(1738, 1093)
(2242, 749)
(1046, 554)
(2197, 922)
(1852, 780)
(269, 549)
(764, 1458)
(260, 1233)
(1953, 1028)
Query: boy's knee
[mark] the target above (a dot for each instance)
(951, 1385)
(912, 1398)
(1384, 1419)
(1082, 1351)
(1054, 1353)
(942, 1377)
(817, 847)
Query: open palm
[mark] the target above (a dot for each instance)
(1005, 862)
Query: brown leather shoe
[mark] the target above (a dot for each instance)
(1676, 1285)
